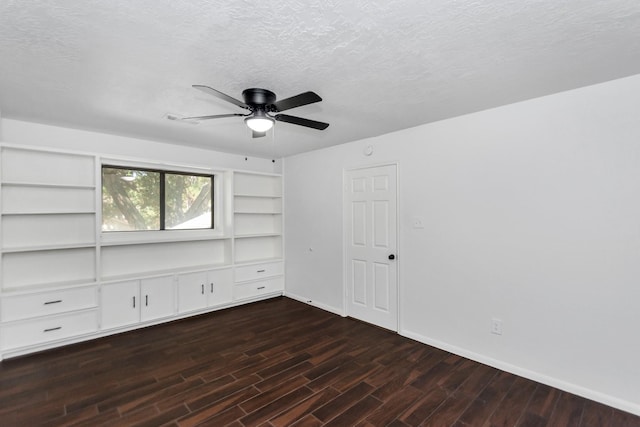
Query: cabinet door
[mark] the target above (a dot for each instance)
(192, 291)
(220, 286)
(157, 298)
(120, 304)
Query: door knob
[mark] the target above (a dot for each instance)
(392, 256)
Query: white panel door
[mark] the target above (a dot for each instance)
(370, 216)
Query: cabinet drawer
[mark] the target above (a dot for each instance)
(36, 331)
(254, 289)
(47, 303)
(258, 271)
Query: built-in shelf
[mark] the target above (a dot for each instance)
(257, 235)
(48, 219)
(257, 217)
(261, 196)
(31, 290)
(257, 213)
(60, 247)
(47, 185)
(28, 289)
(258, 261)
(49, 213)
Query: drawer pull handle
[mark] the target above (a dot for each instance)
(53, 329)
(261, 271)
(261, 287)
(211, 287)
(202, 289)
(53, 302)
(146, 300)
(134, 302)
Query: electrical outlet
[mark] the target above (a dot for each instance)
(496, 326)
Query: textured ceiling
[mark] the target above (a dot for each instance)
(120, 66)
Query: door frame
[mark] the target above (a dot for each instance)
(345, 305)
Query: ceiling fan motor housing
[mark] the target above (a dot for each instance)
(258, 97)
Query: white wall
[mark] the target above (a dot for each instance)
(532, 215)
(41, 135)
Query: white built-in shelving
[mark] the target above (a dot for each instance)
(48, 217)
(257, 217)
(48, 253)
(258, 250)
(62, 280)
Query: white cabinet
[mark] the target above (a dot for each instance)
(192, 291)
(221, 286)
(133, 301)
(120, 304)
(42, 317)
(157, 298)
(203, 289)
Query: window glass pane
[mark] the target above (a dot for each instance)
(130, 199)
(187, 201)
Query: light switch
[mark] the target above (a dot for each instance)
(417, 222)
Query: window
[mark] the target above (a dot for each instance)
(143, 199)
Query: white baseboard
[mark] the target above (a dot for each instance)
(623, 405)
(324, 307)
(606, 399)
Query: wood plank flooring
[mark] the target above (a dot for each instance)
(276, 363)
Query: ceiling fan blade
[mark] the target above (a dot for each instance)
(301, 122)
(255, 134)
(216, 116)
(223, 96)
(296, 101)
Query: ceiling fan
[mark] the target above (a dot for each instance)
(261, 104)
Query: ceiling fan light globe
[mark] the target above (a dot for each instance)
(259, 124)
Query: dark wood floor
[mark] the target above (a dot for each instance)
(276, 363)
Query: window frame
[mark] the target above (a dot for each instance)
(163, 198)
(160, 234)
